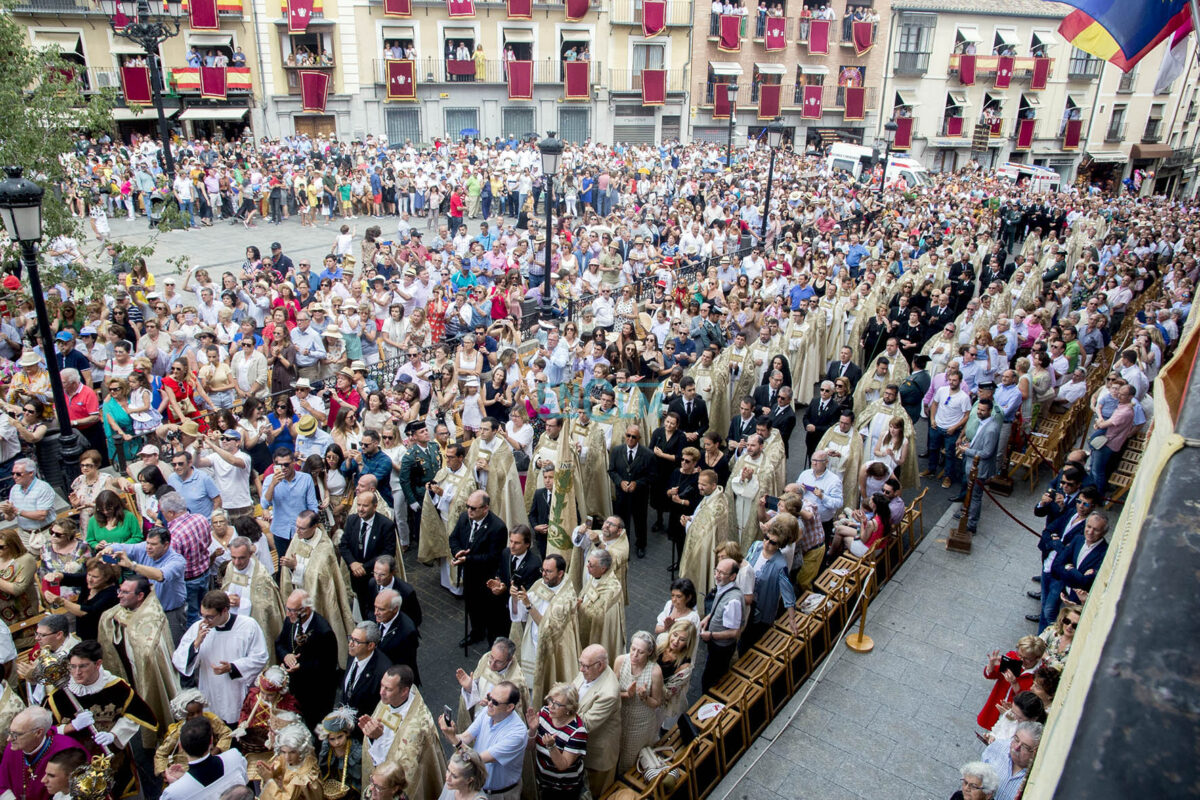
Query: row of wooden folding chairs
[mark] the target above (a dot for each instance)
(762, 680)
(1122, 477)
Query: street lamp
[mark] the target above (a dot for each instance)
(21, 209)
(150, 26)
(889, 134)
(774, 133)
(731, 90)
(552, 149)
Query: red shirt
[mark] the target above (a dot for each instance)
(83, 403)
(456, 205)
(1002, 691)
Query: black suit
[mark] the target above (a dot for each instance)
(695, 422)
(480, 565)
(400, 643)
(939, 316)
(315, 683)
(740, 429)
(539, 514)
(409, 603)
(783, 419)
(529, 569)
(364, 695)
(631, 506)
(763, 399)
(853, 373)
(382, 541)
(821, 420)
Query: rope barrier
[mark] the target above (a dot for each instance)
(1006, 511)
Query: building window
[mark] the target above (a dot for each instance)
(1116, 125)
(574, 125)
(517, 122)
(1083, 65)
(1127, 82)
(916, 43)
(1153, 130)
(307, 49)
(459, 120)
(648, 55)
(403, 125)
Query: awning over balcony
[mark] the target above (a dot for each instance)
(518, 35)
(814, 69)
(66, 41)
(146, 114)
(967, 33)
(958, 99)
(770, 68)
(575, 35)
(210, 39)
(459, 33)
(213, 113)
(1007, 37)
(725, 69)
(906, 98)
(123, 47)
(1031, 100)
(404, 32)
(1150, 151)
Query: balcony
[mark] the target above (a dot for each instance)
(629, 12)
(626, 80)
(66, 7)
(833, 98)
(964, 128)
(1022, 65)
(911, 63)
(1084, 69)
(1152, 134)
(97, 78)
(1115, 132)
(186, 80)
(1180, 157)
(440, 70)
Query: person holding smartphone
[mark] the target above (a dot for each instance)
(1012, 673)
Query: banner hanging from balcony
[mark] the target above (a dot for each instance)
(818, 37)
(1041, 74)
(458, 9)
(223, 7)
(213, 84)
(135, 83)
(811, 107)
(576, 10)
(654, 87)
(721, 106)
(1004, 71)
(954, 126)
(577, 80)
(401, 79)
(1025, 133)
(202, 15)
(863, 33)
(519, 9)
(1071, 134)
(995, 127)
(397, 8)
(654, 17)
(186, 80)
(314, 90)
(769, 95)
(856, 103)
(775, 35)
(904, 131)
(520, 80)
(730, 34)
(299, 14)
(966, 69)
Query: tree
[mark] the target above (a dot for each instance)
(44, 107)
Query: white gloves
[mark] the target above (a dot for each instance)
(83, 720)
(103, 738)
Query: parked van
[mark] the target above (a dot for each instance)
(1038, 179)
(851, 158)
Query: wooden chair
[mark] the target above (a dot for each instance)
(769, 672)
(728, 732)
(748, 695)
(840, 589)
(819, 631)
(675, 782)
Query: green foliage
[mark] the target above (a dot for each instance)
(173, 218)
(43, 107)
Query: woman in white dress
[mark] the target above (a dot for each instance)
(640, 679)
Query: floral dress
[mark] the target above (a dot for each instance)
(436, 316)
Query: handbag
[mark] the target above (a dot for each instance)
(1098, 441)
(651, 763)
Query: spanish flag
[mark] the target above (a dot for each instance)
(1122, 32)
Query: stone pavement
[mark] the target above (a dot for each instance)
(898, 722)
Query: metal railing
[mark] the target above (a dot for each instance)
(831, 96)
(440, 70)
(912, 63)
(1115, 133)
(1152, 133)
(963, 132)
(1083, 69)
(629, 12)
(626, 80)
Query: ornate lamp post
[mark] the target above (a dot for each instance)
(774, 139)
(889, 135)
(552, 149)
(21, 209)
(149, 26)
(731, 91)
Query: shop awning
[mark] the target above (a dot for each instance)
(968, 33)
(66, 41)
(814, 69)
(1150, 151)
(518, 35)
(1108, 157)
(145, 115)
(210, 39)
(1007, 37)
(958, 99)
(213, 113)
(770, 68)
(724, 69)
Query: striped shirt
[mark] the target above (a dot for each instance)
(570, 738)
(191, 535)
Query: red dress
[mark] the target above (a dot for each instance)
(435, 312)
(1002, 692)
(183, 392)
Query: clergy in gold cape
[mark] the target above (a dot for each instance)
(137, 647)
(550, 451)
(802, 338)
(495, 472)
(252, 590)
(311, 564)
(704, 530)
(735, 360)
(10, 706)
(750, 478)
(844, 445)
(496, 665)
(872, 424)
(401, 731)
(712, 383)
(546, 627)
(445, 501)
(611, 537)
(601, 610)
(634, 408)
(592, 456)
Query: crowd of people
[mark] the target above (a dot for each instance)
(269, 441)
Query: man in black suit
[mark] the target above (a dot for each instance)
(307, 648)
(819, 417)
(476, 542)
(940, 313)
(629, 467)
(844, 367)
(539, 512)
(383, 576)
(783, 418)
(398, 636)
(692, 411)
(367, 536)
(364, 670)
(766, 395)
(520, 566)
(741, 427)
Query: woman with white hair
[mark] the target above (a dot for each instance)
(465, 776)
(188, 704)
(979, 782)
(292, 774)
(641, 684)
(340, 759)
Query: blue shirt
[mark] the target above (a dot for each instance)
(308, 339)
(505, 741)
(378, 465)
(289, 499)
(855, 255)
(800, 294)
(998, 755)
(771, 584)
(170, 591)
(199, 491)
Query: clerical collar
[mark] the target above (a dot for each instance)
(489, 446)
(554, 589)
(402, 709)
(228, 626)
